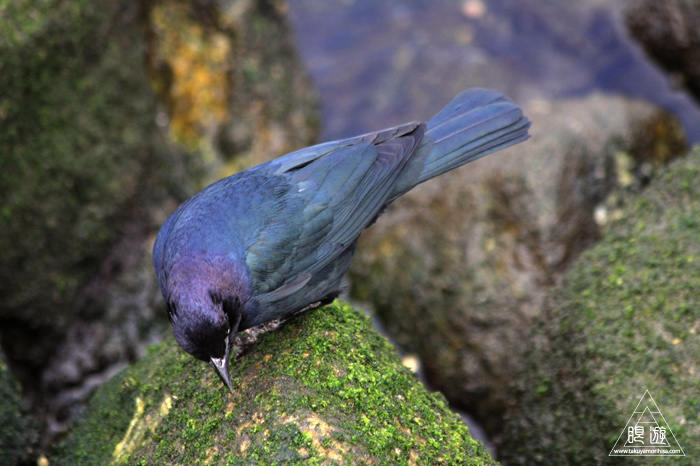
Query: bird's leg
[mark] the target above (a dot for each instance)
(247, 339)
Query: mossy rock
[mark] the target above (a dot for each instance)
(19, 431)
(471, 256)
(625, 320)
(113, 112)
(325, 388)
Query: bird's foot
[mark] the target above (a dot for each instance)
(247, 339)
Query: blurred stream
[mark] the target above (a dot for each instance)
(376, 64)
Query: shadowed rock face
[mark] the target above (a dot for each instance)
(104, 130)
(625, 319)
(670, 33)
(325, 388)
(457, 270)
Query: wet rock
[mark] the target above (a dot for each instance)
(457, 270)
(624, 320)
(325, 388)
(670, 33)
(104, 129)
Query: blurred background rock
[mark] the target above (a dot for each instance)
(670, 33)
(625, 320)
(458, 270)
(113, 112)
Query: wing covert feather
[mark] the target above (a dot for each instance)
(331, 199)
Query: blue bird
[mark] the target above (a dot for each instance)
(277, 239)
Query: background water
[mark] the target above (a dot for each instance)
(377, 64)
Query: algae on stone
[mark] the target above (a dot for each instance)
(325, 388)
(625, 320)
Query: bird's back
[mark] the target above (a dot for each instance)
(291, 224)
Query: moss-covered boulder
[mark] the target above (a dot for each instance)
(625, 320)
(111, 113)
(325, 388)
(460, 265)
(19, 432)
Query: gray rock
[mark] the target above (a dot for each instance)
(457, 270)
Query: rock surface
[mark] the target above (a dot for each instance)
(670, 33)
(626, 319)
(457, 269)
(325, 388)
(111, 113)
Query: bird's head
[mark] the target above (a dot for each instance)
(206, 327)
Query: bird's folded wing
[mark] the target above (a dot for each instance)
(334, 194)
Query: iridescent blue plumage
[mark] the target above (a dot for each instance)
(270, 241)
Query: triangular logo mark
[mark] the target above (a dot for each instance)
(647, 433)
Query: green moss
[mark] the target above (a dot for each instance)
(323, 389)
(79, 149)
(626, 320)
(19, 433)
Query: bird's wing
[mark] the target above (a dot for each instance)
(335, 190)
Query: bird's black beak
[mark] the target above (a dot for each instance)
(222, 368)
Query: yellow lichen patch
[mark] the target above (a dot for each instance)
(245, 443)
(211, 454)
(243, 426)
(190, 65)
(317, 431)
(258, 417)
(230, 407)
(404, 430)
(138, 427)
(287, 419)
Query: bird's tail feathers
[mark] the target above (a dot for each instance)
(476, 123)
